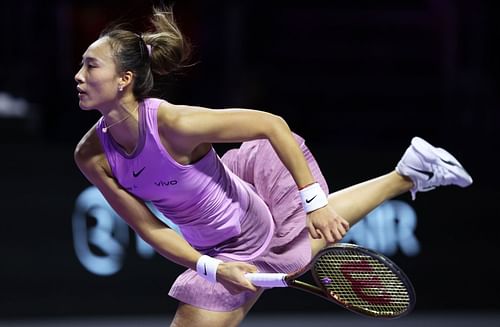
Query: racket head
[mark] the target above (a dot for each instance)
(363, 281)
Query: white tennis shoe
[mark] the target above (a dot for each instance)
(429, 167)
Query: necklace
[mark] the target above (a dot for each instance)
(106, 128)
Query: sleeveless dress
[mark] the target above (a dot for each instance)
(244, 206)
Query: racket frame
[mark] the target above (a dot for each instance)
(322, 291)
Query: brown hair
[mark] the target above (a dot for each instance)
(170, 51)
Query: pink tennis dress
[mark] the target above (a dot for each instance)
(244, 206)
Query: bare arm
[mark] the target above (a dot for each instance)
(194, 126)
(190, 127)
(92, 163)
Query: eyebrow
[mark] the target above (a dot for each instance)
(89, 59)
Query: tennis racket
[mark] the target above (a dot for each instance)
(356, 278)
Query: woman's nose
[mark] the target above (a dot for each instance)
(78, 76)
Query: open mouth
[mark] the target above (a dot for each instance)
(80, 91)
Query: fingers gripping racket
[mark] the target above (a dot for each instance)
(353, 277)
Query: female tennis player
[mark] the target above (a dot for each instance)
(262, 207)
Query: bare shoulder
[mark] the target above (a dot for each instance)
(184, 120)
(178, 127)
(171, 115)
(176, 121)
(89, 155)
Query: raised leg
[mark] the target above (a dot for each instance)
(422, 168)
(355, 202)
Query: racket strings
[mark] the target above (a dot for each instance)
(362, 282)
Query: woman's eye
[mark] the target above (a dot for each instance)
(87, 65)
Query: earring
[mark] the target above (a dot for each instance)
(120, 88)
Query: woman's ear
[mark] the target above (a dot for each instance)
(125, 80)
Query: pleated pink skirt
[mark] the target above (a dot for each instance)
(289, 249)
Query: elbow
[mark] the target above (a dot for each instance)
(83, 157)
(278, 126)
(78, 154)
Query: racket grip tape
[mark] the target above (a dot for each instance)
(267, 280)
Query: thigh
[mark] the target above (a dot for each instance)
(188, 315)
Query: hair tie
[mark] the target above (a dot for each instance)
(150, 48)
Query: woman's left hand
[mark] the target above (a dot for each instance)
(327, 223)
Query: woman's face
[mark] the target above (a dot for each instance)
(98, 80)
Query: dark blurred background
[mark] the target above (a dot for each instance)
(358, 79)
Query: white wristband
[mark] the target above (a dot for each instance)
(206, 267)
(313, 197)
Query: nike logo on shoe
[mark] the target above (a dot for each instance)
(310, 200)
(135, 174)
(451, 163)
(429, 174)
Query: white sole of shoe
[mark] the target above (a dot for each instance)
(442, 157)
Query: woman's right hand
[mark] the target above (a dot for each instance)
(232, 276)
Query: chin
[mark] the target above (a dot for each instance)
(85, 106)
(82, 106)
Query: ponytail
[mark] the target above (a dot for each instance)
(161, 51)
(170, 51)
